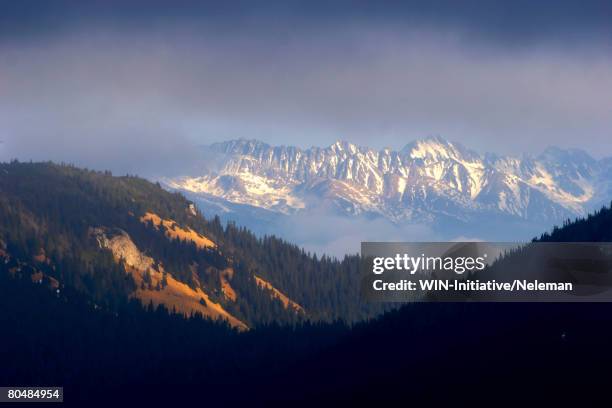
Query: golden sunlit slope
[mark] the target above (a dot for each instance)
(226, 288)
(180, 297)
(277, 294)
(158, 286)
(174, 231)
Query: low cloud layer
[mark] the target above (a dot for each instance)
(337, 236)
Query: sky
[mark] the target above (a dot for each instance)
(135, 86)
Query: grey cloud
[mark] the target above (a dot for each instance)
(510, 22)
(140, 100)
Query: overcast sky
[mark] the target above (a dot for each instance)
(133, 86)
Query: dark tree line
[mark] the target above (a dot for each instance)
(596, 227)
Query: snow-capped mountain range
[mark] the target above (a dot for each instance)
(430, 181)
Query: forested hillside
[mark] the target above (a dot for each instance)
(421, 353)
(117, 238)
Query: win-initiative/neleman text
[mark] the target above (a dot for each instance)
(471, 285)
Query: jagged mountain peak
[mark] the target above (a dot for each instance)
(428, 179)
(572, 156)
(571, 152)
(344, 146)
(433, 140)
(437, 148)
(238, 146)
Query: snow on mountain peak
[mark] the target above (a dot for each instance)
(426, 179)
(344, 146)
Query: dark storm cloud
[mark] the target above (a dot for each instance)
(132, 86)
(507, 20)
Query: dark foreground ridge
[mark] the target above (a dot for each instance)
(78, 327)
